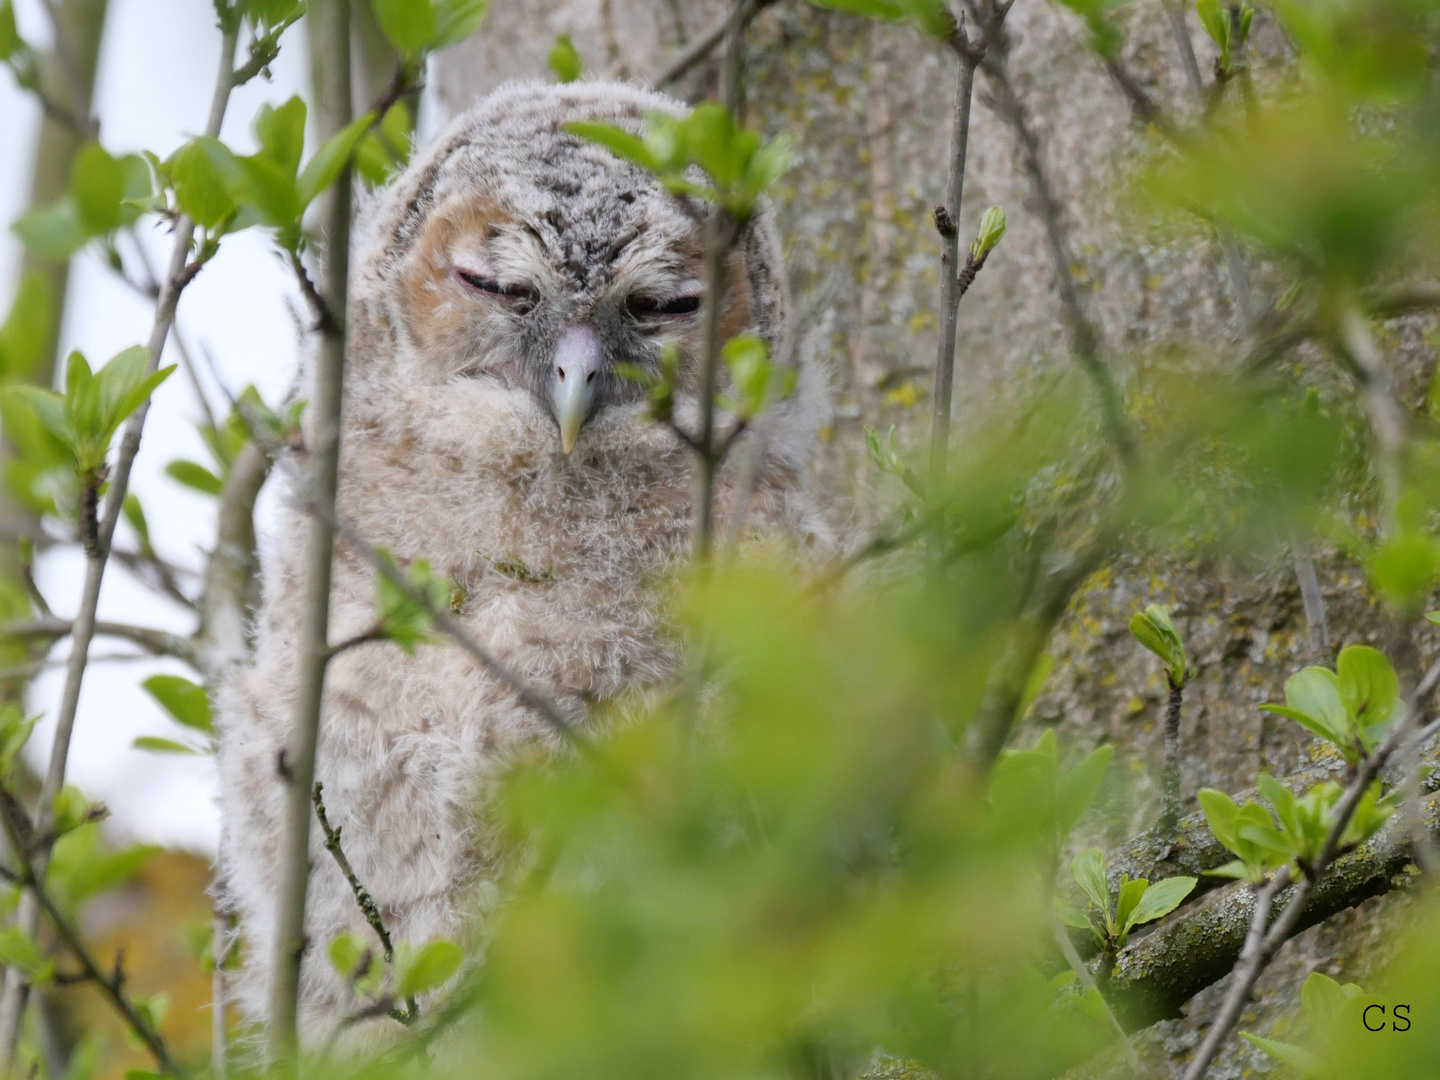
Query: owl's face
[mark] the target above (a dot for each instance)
(546, 281)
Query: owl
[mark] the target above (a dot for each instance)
(500, 282)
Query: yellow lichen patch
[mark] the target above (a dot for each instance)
(905, 395)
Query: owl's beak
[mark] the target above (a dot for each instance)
(574, 382)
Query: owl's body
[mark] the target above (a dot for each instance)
(508, 252)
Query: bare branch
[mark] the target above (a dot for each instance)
(329, 27)
(231, 590)
(1084, 341)
(154, 642)
(363, 899)
(451, 627)
(699, 48)
(1087, 980)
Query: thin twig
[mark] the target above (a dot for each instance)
(947, 223)
(1084, 341)
(220, 946)
(699, 48)
(156, 573)
(17, 827)
(27, 571)
(363, 899)
(1170, 796)
(1387, 418)
(1087, 980)
(155, 642)
(1261, 943)
(451, 627)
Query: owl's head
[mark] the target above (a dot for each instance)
(515, 257)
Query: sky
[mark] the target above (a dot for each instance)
(156, 70)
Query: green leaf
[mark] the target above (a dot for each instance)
(201, 187)
(1282, 800)
(1160, 899)
(347, 953)
(1233, 869)
(870, 9)
(1297, 1057)
(23, 336)
(54, 232)
(1077, 788)
(1154, 630)
(1369, 687)
(424, 970)
(1126, 903)
(1089, 871)
(157, 745)
(97, 183)
(931, 16)
(196, 476)
(1035, 681)
(1314, 692)
(992, 229)
(1216, 21)
(282, 135)
(1221, 814)
(564, 60)
(401, 619)
(269, 191)
(618, 141)
(10, 40)
(408, 24)
(15, 729)
(18, 950)
(1070, 915)
(332, 157)
(182, 699)
(1325, 1001)
(456, 20)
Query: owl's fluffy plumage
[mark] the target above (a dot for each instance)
(450, 453)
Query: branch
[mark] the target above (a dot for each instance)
(696, 51)
(363, 899)
(329, 27)
(17, 826)
(231, 590)
(154, 642)
(1006, 687)
(1261, 943)
(450, 626)
(160, 576)
(1084, 342)
(368, 908)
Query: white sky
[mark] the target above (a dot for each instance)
(152, 92)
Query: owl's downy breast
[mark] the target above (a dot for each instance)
(560, 559)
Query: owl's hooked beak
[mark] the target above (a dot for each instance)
(578, 359)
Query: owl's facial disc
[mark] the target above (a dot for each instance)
(579, 356)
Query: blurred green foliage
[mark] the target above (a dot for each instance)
(798, 855)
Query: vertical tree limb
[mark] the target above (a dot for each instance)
(1170, 796)
(947, 222)
(330, 35)
(1084, 342)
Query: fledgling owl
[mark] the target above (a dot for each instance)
(499, 282)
